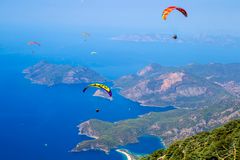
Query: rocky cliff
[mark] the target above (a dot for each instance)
(187, 86)
(206, 97)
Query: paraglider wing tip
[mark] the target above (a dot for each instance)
(110, 93)
(85, 89)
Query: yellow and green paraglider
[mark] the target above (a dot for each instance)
(101, 86)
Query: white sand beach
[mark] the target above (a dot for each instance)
(125, 153)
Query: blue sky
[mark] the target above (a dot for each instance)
(143, 16)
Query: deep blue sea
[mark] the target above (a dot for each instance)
(40, 123)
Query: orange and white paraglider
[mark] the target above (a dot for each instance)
(168, 10)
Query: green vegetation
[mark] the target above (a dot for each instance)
(206, 95)
(222, 143)
(191, 86)
(170, 126)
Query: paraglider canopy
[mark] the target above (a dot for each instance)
(85, 35)
(30, 43)
(101, 86)
(168, 10)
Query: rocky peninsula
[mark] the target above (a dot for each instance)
(44, 73)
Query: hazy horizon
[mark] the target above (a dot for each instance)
(215, 16)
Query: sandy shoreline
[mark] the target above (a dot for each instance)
(125, 153)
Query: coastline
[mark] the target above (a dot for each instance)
(125, 153)
(143, 104)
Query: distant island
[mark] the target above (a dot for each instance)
(206, 96)
(144, 38)
(166, 38)
(44, 73)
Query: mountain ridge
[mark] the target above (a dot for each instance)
(156, 85)
(203, 104)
